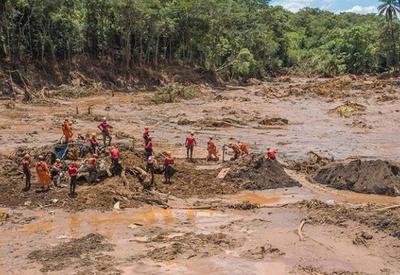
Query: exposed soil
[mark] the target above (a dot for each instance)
(319, 212)
(85, 252)
(256, 172)
(372, 177)
(189, 245)
(199, 224)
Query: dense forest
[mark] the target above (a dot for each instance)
(232, 37)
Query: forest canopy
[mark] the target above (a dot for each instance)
(234, 37)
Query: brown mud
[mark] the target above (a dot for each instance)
(255, 172)
(372, 177)
(200, 224)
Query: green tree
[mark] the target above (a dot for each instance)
(390, 9)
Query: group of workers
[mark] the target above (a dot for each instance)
(47, 174)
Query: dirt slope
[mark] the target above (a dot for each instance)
(258, 173)
(372, 177)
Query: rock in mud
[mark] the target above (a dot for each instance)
(258, 173)
(372, 177)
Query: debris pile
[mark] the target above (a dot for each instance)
(189, 245)
(311, 164)
(258, 173)
(372, 177)
(349, 109)
(85, 251)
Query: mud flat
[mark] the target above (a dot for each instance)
(261, 219)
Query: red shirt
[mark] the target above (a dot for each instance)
(72, 170)
(104, 126)
(149, 145)
(168, 161)
(271, 154)
(91, 161)
(190, 141)
(25, 164)
(93, 141)
(115, 154)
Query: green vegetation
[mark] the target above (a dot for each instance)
(172, 93)
(236, 38)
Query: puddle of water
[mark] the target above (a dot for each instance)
(91, 221)
(257, 198)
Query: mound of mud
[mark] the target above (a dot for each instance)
(372, 177)
(84, 252)
(258, 173)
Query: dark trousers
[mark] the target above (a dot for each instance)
(92, 174)
(189, 152)
(168, 172)
(94, 148)
(72, 185)
(27, 175)
(116, 167)
(106, 136)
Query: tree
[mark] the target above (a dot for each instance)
(390, 9)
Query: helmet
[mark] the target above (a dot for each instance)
(41, 157)
(104, 118)
(58, 160)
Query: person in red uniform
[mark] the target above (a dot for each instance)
(190, 143)
(56, 173)
(92, 168)
(94, 145)
(271, 154)
(148, 148)
(115, 156)
(26, 163)
(146, 135)
(168, 167)
(236, 150)
(73, 173)
(105, 129)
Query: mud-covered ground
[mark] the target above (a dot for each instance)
(286, 224)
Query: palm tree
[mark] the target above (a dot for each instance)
(390, 9)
